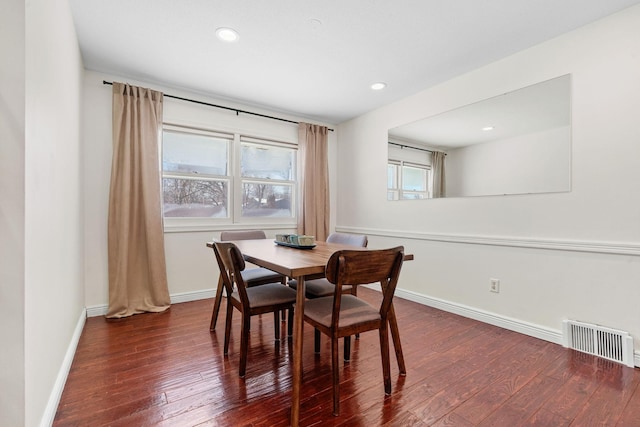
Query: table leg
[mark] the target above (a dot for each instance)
(395, 335)
(298, 327)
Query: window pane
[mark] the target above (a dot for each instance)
(192, 153)
(268, 162)
(414, 179)
(392, 176)
(194, 198)
(413, 196)
(266, 200)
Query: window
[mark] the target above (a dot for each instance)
(195, 178)
(268, 179)
(407, 181)
(220, 177)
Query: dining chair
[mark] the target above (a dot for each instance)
(342, 315)
(252, 276)
(249, 301)
(319, 286)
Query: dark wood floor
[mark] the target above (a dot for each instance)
(168, 369)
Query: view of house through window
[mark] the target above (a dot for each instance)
(226, 176)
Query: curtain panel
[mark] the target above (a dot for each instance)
(137, 267)
(313, 217)
(438, 170)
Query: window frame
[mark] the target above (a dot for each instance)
(235, 184)
(398, 190)
(239, 181)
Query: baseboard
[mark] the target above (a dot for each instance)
(63, 373)
(192, 296)
(101, 310)
(529, 329)
(536, 331)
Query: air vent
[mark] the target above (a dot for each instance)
(600, 341)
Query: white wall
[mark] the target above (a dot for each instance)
(41, 214)
(191, 269)
(538, 162)
(12, 122)
(564, 255)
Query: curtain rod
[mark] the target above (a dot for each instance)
(415, 148)
(238, 111)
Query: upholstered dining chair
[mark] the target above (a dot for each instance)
(249, 301)
(320, 286)
(342, 315)
(252, 276)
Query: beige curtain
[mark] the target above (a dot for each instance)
(437, 168)
(137, 270)
(313, 218)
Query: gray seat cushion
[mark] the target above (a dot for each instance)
(252, 274)
(270, 294)
(317, 288)
(352, 310)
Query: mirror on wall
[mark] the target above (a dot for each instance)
(515, 143)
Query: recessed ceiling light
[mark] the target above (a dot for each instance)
(378, 86)
(227, 34)
(488, 128)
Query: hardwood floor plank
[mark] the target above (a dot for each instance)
(167, 369)
(523, 404)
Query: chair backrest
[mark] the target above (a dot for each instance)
(242, 235)
(231, 264)
(357, 267)
(348, 239)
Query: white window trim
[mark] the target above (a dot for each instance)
(183, 224)
(399, 190)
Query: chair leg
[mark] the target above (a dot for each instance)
(354, 292)
(244, 343)
(384, 350)
(216, 305)
(316, 341)
(347, 348)
(227, 326)
(290, 323)
(284, 283)
(276, 324)
(335, 369)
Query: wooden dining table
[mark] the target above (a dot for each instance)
(298, 264)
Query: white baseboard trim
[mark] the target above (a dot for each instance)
(530, 329)
(101, 310)
(63, 373)
(526, 328)
(192, 296)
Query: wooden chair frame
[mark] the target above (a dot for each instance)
(232, 264)
(352, 267)
(263, 278)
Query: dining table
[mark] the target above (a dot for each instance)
(299, 263)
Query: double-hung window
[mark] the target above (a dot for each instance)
(268, 178)
(195, 173)
(224, 178)
(408, 181)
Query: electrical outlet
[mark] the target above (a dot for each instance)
(494, 285)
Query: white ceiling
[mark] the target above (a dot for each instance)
(286, 61)
(540, 107)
